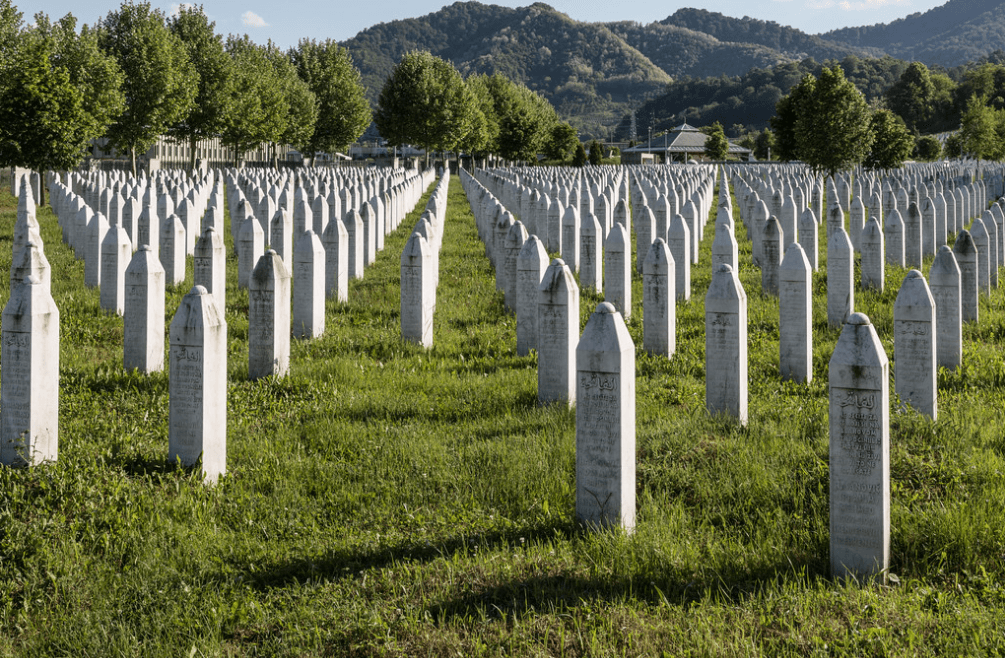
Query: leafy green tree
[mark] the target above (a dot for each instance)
(11, 24)
(260, 105)
(927, 148)
(215, 71)
(912, 96)
(954, 146)
(579, 157)
(716, 145)
(484, 136)
(301, 104)
(787, 113)
(764, 145)
(833, 129)
(561, 142)
(159, 82)
(893, 142)
(596, 153)
(343, 111)
(986, 81)
(425, 101)
(58, 91)
(979, 136)
(525, 119)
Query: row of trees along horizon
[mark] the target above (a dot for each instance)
(138, 75)
(967, 101)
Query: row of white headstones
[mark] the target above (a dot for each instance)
(29, 380)
(596, 370)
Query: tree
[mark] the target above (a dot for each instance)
(912, 96)
(979, 136)
(787, 112)
(301, 104)
(58, 92)
(596, 153)
(579, 157)
(260, 106)
(927, 148)
(343, 111)
(833, 130)
(483, 137)
(210, 111)
(893, 143)
(764, 145)
(424, 101)
(159, 82)
(525, 119)
(561, 142)
(716, 145)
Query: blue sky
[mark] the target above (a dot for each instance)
(287, 21)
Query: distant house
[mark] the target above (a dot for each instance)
(679, 145)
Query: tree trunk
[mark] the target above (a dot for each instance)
(132, 154)
(191, 155)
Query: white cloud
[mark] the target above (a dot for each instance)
(177, 7)
(251, 19)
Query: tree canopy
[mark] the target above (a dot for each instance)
(58, 92)
(158, 80)
(425, 102)
(213, 103)
(826, 123)
(343, 113)
(893, 142)
(716, 145)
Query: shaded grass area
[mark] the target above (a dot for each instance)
(385, 500)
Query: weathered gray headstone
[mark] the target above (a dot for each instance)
(172, 251)
(532, 262)
(771, 256)
(97, 227)
(252, 246)
(116, 251)
(143, 316)
(515, 239)
(618, 270)
(29, 376)
(726, 345)
(605, 422)
(210, 265)
(417, 291)
(914, 343)
(840, 278)
(308, 286)
(946, 289)
(859, 453)
(966, 255)
(893, 238)
(795, 315)
(679, 242)
(980, 236)
(591, 254)
(873, 258)
(336, 243)
(913, 237)
(808, 232)
(557, 335)
(269, 320)
(570, 237)
(197, 415)
(281, 237)
(659, 314)
(354, 229)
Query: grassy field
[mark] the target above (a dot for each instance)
(383, 500)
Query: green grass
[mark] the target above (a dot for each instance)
(384, 500)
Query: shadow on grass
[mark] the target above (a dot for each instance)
(675, 588)
(341, 563)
